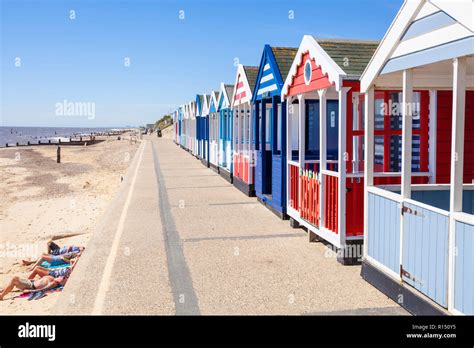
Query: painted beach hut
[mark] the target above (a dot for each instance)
(224, 108)
(199, 132)
(243, 175)
(213, 144)
(192, 127)
(182, 133)
(325, 137)
(270, 128)
(419, 245)
(175, 126)
(204, 130)
(184, 123)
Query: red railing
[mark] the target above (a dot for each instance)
(331, 203)
(237, 165)
(245, 169)
(241, 167)
(309, 203)
(294, 186)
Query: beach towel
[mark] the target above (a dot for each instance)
(65, 249)
(56, 289)
(60, 272)
(46, 264)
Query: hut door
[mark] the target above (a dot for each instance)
(267, 153)
(312, 130)
(425, 251)
(332, 135)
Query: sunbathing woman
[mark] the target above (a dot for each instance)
(55, 249)
(56, 272)
(27, 285)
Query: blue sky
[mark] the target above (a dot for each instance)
(171, 59)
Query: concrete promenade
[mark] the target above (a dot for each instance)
(179, 239)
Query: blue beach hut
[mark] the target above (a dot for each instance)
(270, 128)
(204, 129)
(213, 125)
(224, 108)
(199, 126)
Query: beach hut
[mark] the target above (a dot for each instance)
(199, 126)
(182, 125)
(187, 121)
(224, 108)
(324, 158)
(204, 129)
(270, 128)
(243, 174)
(419, 97)
(213, 144)
(175, 126)
(192, 128)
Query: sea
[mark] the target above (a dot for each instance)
(21, 135)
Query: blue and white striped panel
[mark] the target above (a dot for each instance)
(268, 82)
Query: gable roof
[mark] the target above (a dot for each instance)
(251, 72)
(274, 66)
(199, 102)
(192, 109)
(229, 90)
(185, 111)
(423, 32)
(213, 101)
(225, 94)
(338, 58)
(243, 88)
(352, 56)
(205, 105)
(284, 57)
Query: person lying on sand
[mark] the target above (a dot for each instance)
(55, 273)
(54, 249)
(54, 260)
(28, 285)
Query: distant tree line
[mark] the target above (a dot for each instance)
(164, 122)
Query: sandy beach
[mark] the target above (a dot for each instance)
(44, 200)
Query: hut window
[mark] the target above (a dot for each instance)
(358, 112)
(378, 153)
(379, 111)
(388, 125)
(396, 153)
(358, 154)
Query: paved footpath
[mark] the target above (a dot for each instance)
(179, 239)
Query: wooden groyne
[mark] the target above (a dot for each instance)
(73, 141)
